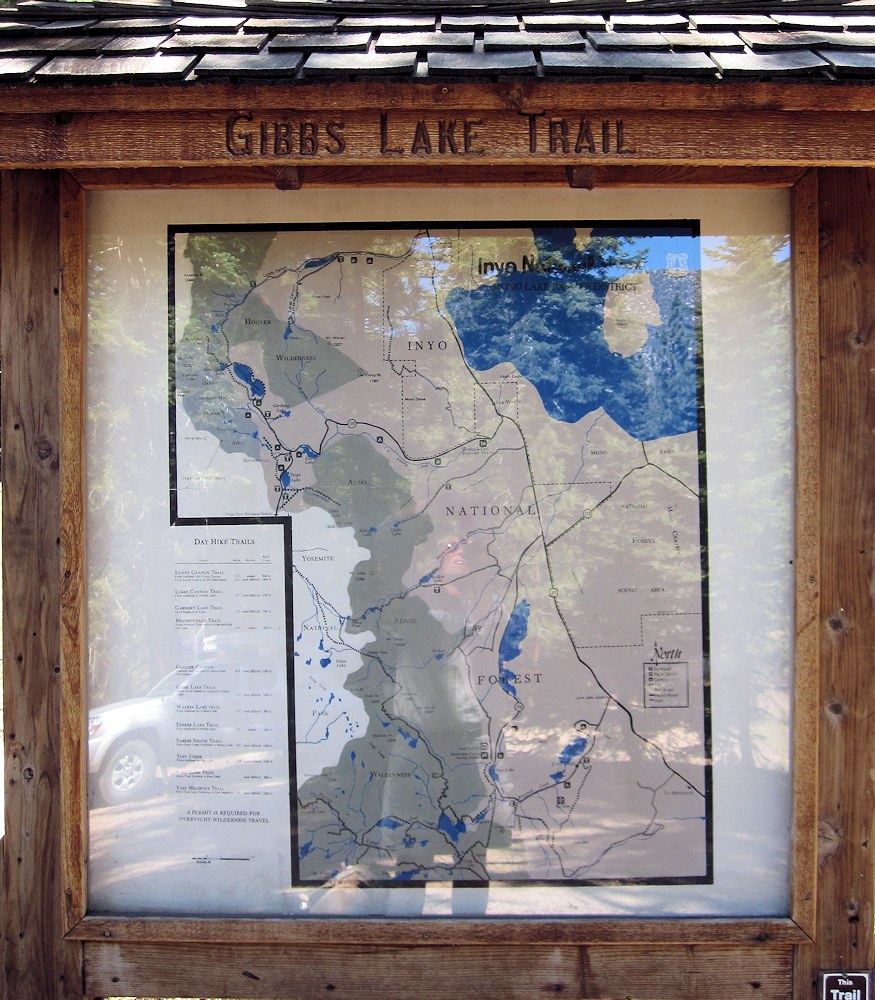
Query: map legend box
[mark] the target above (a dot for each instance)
(667, 685)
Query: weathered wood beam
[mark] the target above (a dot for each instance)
(846, 623)
(40, 965)
(261, 136)
(324, 96)
(253, 971)
(429, 175)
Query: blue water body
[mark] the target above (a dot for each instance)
(451, 829)
(305, 849)
(325, 661)
(550, 325)
(511, 645)
(305, 449)
(574, 749)
(245, 374)
(505, 680)
(285, 480)
(515, 632)
(389, 823)
(407, 876)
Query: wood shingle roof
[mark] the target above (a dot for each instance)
(184, 42)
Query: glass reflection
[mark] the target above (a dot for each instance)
(431, 570)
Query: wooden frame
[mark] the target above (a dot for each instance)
(168, 932)
(42, 338)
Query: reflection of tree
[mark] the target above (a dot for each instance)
(549, 322)
(224, 269)
(749, 307)
(128, 591)
(124, 595)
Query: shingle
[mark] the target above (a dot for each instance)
(811, 22)
(479, 22)
(200, 6)
(847, 40)
(15, 28)
(212, 43)
(583, 22)
(353, 63)
(858, 22)
(53, 45)
(733, 22)
(339, 43)
(261, 64)
(766, 41)
(125, 67)
(204, 6)
(388, 22)
(640, 41)
(62, 27)
(19, 67)
(629, 63)
(703, 41)
(58, 8)
(135, 25)
(397, 41)
(135, 43)
(481, 63)
(769, 63)
(287, 24)
(497, 40)
(210, 24)
(851, 63)
(647, 22)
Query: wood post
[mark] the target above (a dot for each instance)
(39, 964)
(844, 925)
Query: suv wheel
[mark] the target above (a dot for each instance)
(128, 772)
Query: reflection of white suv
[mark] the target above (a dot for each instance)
(127, 740)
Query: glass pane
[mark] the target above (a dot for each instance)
(440, 568)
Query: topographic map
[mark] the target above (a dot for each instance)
(487, 446)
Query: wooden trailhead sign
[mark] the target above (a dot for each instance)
(437, 499)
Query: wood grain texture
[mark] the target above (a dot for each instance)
(846, 621)
(806, 706)
(263, 136)
(752, 934)
(425, 175)
(449, 95)
(39, 964)
(72, 553)
(464, 973)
